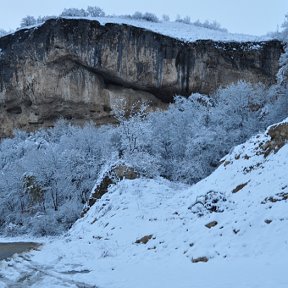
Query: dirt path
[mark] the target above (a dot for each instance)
(7, 250)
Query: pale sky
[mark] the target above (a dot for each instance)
(256, 17)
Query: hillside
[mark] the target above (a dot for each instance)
(233, 224)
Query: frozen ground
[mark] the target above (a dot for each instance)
(246, 245)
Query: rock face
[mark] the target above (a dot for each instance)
(278, 138)
(112, 176)
(80, 70)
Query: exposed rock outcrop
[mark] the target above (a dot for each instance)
(115, 174)
(81, 70)
(278, 138)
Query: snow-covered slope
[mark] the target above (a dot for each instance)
(236, 219)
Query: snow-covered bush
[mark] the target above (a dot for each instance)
(211, 202)
(150, 17)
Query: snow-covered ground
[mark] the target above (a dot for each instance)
(244, 202)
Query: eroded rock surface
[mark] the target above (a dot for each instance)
(80, 70)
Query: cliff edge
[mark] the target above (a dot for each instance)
(81, 70)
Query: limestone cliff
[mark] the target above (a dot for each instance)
(78, 69)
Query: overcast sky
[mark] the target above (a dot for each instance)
(242, 16)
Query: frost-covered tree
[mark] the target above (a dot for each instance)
(28, 21)
(95, 11)
(150, 17)
(74, 12)
(145, 16)
(242, 103)
(137, 15)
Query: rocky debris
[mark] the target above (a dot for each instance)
(114, 175)
(278, 138)
(250, 168)
(211, 224)
(144, 239)
(239, 187)
(200, 259)
(80, 70)
(283, 196)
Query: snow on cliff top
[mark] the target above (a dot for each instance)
(182, 31)
(178, 30)
(236, 219)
